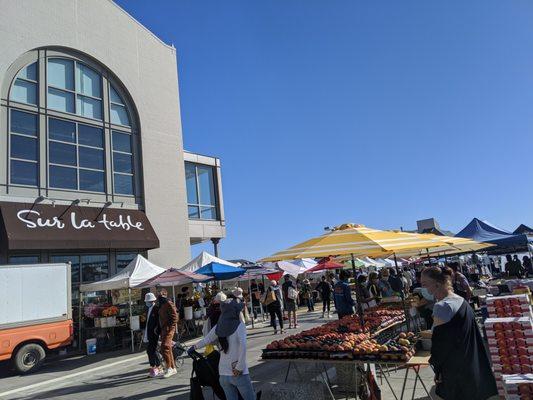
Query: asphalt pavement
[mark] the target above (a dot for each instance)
(123, 375)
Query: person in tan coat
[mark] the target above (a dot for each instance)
(168, 318)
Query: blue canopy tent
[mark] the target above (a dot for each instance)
(220, 272)
(483, 231)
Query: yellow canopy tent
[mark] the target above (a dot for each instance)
(359, 241)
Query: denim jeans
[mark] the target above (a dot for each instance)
(233, 385)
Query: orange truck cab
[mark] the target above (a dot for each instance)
(34, 318)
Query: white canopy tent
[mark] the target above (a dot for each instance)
(139, 270)
(376, 263)
(305, 263)
(203, 259)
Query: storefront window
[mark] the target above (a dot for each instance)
(94, 267)
(26, 259)
(74, 267)
(123, 259)
(201, 191)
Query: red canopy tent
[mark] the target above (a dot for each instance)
(326, 263)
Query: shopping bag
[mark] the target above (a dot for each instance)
(270, 297)
(196, 390)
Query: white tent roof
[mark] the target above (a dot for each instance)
(374, 262)
(202, 259)
(138, 271)
(289, 268)
(304, 263)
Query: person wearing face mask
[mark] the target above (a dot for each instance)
(151, 334)
(458, 354)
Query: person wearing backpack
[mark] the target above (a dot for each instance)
(273, 300)
(290, 304)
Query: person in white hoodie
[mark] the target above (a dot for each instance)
(230, 333)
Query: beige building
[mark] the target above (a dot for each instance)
(92, 166)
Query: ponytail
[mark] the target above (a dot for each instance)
(224, 344)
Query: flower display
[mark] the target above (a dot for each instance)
(110, 311)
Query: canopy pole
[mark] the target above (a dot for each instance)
(353, 264)
(429, 258)
(131, 317)
(173, 295)
(395, 261)
(260, 297)
(251, 300)
(80, 337)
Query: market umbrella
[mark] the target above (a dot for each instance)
(451, 245)
(357, 240)
(327, 263)
(220, 272)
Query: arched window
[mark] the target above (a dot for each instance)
(71, 128)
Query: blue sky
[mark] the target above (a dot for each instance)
(379, 113)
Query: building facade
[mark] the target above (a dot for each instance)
(92, 166)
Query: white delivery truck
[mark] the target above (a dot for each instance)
(35, 312)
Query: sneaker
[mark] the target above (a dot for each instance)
(152, 373)
(296, 326)
(275, 331)
(170, 372)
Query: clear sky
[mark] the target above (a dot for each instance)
(379, 113)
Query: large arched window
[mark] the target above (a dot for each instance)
(71, 128)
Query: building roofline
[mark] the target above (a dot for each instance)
(169, 46)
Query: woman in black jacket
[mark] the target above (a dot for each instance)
(458, 356)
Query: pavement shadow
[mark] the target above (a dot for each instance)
(66, 363)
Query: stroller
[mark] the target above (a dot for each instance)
(179, 351)
(206, 371)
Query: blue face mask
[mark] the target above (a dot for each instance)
(149, 304)
(425, 293)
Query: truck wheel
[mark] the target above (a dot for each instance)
(29, 358)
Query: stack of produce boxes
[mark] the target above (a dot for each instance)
(510, 336)
(518, 387)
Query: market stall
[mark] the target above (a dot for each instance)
(381, 342)
(114, 306)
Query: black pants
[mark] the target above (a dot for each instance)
(152, 354)
(275, 310)
(326, 304)
(255, 306)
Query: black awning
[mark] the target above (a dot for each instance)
(62, 227)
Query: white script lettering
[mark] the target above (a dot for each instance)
(39, 222)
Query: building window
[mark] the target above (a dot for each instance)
(74, 88)
(25, 87)
(118, 110)
(84, 150)
(201, 191)
(76, 156)
(24, 148)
